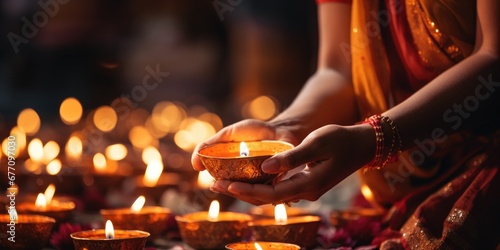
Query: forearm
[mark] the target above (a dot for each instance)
(327, 98)
(454, 101)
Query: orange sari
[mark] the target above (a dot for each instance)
(449, 200)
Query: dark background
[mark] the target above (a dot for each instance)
(98, 50)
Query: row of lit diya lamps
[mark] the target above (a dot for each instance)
(29, 225)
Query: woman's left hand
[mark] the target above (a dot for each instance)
(330, 153)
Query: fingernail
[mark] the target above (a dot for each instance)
(270, 166)
(215, 188)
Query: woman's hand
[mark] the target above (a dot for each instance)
(330, 154)
(246, 130)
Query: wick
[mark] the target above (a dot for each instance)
(109, 237)
(244, 154)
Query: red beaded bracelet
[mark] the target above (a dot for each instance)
(378, 160)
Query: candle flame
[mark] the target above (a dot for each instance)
(213, 211)
(280, 214)
(150, 153)
(99, 162)
(109, 230)
(51, 151)
(138, 204)
(41, 202)
(53, 167)
(367, 193)
(116, 152)
(49, 193)
(244, 149)
(35, 150)
(74, 148)
(205, 179)
(153, 173)
(257, 246)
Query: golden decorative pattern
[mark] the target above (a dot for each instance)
(435, 48)
(223, 160)
(418, 237)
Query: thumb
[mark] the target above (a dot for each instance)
(288, 160)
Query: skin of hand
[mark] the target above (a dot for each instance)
(327, 153)
(332, 152)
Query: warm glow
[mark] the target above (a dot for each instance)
(367, 193)
(200, 130)
(150, 153)
(35, 150)
(213, 119)
(20, 139)
(257, 246)
(171, 115)
(213, 211)
(280, 214)
(53, 167)
(74, 148)
(116, 152)
(138, 204)
(244, 149)
(29, 121)
(156, 130)
(50, 151)
(153, 172)
(262, 108)
(99, 162)
(185, 140)
(13, 214)
(41, 202)
(205, 179)
(49, 193)
(33, 167)
(140, 137)
(70, 111)
(105, 118)
(109, 230)
(5, 148)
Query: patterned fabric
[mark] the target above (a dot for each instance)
(448, 201)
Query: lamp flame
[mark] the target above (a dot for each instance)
(213, 211)
(109, 230)
(244, 149)
(49, 193)
(99, 162)
(153, 173)
(138, 204)
(116, 152)
(74, 148)
(205, 179)
(54, 167)
(257, 246)
(150, 153)
(280, 214)
(35, 150)
(41, 202)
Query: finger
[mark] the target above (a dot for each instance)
(290, 159)
(223, 186)
(284, 191)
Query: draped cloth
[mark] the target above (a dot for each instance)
(449, 201)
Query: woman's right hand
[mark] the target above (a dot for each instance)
(246, 130)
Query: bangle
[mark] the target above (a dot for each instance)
(379, 161)
(396, 144)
